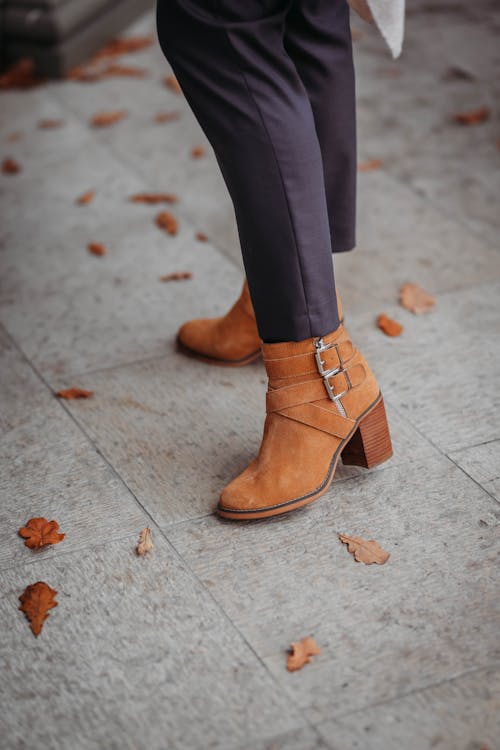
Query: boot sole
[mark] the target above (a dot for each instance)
(368, 445)
(214, 361)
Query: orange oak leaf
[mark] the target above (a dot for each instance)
(86, 198)
(10, 166)
(36, 600)
(49, 124)
(71, 393)
(105, 119)
(96, 248)
(416, 299)
(173, 84)
(197, 152)
(145, 543)
(300, 653)
(39, 532)
(166, 221)
(370, 165)
(177, 276)
(366, 551)
(124, 46)
(473, 117)
(201, 237)
(154, 198)
(161, 117)
(389, 326)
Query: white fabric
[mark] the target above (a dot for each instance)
(389, 15)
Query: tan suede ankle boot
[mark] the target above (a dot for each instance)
(231, 340)
(323, 403)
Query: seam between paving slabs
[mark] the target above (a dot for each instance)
(158, 529)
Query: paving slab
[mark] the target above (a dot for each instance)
(50, 469)
(482, 463)
(442, 372)
(136, 654)
(178, 430)
(428, 614)
(461, 714)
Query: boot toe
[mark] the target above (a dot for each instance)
(193, 335)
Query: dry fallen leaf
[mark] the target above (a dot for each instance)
(300, 653)
(105, 119)
(17, 135)
(20, 75)
(473, 117)
(166, 221)
(197, 152)
(123, 71)
(145, 544)
(39, 532)
(85, 198)
(416, 299)
(177, 276)
(370, 165)
(124, 46)
(96, 248)
(71, 393)
(172, 83)
(154, 198)
(161, 117)
(10, 166)
(366, 551)
(99, 66)
(36, 600)
(201, 237)
(389, 326)
(49, 124)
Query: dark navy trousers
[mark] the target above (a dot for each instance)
(271, 83)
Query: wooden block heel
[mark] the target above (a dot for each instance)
(371, 443)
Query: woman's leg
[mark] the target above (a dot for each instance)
(318, 39)
(250, 101)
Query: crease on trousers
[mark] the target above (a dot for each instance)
(271, 83)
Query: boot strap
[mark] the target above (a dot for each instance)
(314, 390)
(320, 418)
(330, 357)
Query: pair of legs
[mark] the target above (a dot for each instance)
(271, 83)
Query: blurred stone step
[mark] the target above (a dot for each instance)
(50, 24)
(56, 59)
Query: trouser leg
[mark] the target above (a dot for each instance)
(251, 103)
(318, 39)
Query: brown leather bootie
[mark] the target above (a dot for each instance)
(323, 403)
(231, 340)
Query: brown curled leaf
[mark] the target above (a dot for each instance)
(153, 198)
(473, 117)
(20, 75)
(415, 299)
(49, 124)
(145, 543)
(201, 237)
(107, 119)
(370, 165)
(365, 551)
(162, 117)
(173, 84)
(167, 221)
(85, 198)
(124, 46)
(389, 326)
(36, 601)
(10, 166)
(123, 71)
(300, 653)
(17, 135)
(177, 276)
(96, 248)
(197, 152)
(39, 532)
(71, 393)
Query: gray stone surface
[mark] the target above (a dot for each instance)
(462, 714)
(136, 655)
(50, 469)
(187, 649)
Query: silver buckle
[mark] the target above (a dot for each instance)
(326, 374)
